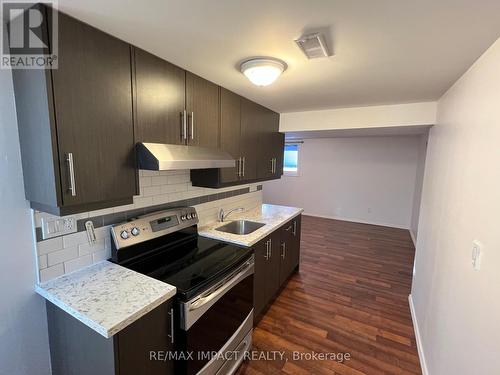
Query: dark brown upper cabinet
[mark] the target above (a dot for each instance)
(278, 153)
(75, 123)
(159, 100)
(269, 146)
(203, 112)
(251, 118)
(230, 117)
(249, 133)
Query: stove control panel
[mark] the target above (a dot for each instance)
(153, 225)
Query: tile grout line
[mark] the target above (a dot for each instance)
(114, 218)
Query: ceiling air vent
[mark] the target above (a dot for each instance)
(313, 46)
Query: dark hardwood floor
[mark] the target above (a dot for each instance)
(350, 296)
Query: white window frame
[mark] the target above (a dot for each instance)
(292, 173)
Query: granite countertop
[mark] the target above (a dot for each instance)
(105, 296)
(272, 215)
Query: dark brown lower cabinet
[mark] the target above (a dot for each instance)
(276, 259)
(76, 349)
(289, 249)
(266, 278)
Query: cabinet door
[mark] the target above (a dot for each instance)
(278, 151)
(274, 269)
(295, 243)
(265, 158)
(202, 102)
(148, 334)
(230, 115)
(260, 287)
(159, 98)
(289, 248)
(249, 141)
(92, 91)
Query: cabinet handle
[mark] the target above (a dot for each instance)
(184, 125)
(272, 166)
(283, 253)
(294, 228)
(270, 248)
(192, 125)
(239, 167)
(287, 229)
(243, 161)
(171, 313)
(71, 167)
(267, 250)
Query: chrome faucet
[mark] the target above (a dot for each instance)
(223, 215)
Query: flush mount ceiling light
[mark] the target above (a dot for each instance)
(263, 71)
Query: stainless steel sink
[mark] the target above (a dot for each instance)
(240, 227)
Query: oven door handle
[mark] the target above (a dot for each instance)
(226, 285)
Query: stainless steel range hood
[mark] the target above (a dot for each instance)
(162, 157)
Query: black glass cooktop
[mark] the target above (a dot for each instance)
(191, 265)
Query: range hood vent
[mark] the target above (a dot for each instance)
(162, 157)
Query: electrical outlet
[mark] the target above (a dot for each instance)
(58, 226)
(476, 255)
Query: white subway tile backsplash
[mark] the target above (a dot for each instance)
(161, 199)
(83, 215)
(175, 172)
(42, 262)
(49, 245)
(144, 181)
(75, 264)
(63, 255)
(178, 179)
(173, 188)
(123, 208)
(105, 211)
(103, 232)
(71, 252)
(158, 180)
(151, 191)
(88, 248)
(51, 272)
(75, 239)
(101, 255)
(140, 202)
(146, 173)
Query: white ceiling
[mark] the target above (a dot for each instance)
(385, 51)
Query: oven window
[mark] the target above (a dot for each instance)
(219, 323)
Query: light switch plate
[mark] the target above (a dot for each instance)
(58, 226)
(476, 255)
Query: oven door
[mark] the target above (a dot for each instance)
(211, 321)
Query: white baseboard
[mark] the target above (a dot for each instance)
(357, 220)
(413, 238)
(420, 347)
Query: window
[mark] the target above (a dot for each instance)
(291, 159)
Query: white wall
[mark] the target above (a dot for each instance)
(363, 179)
(419, 182)
(23, 329)
(457, 308)
(413, 114)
